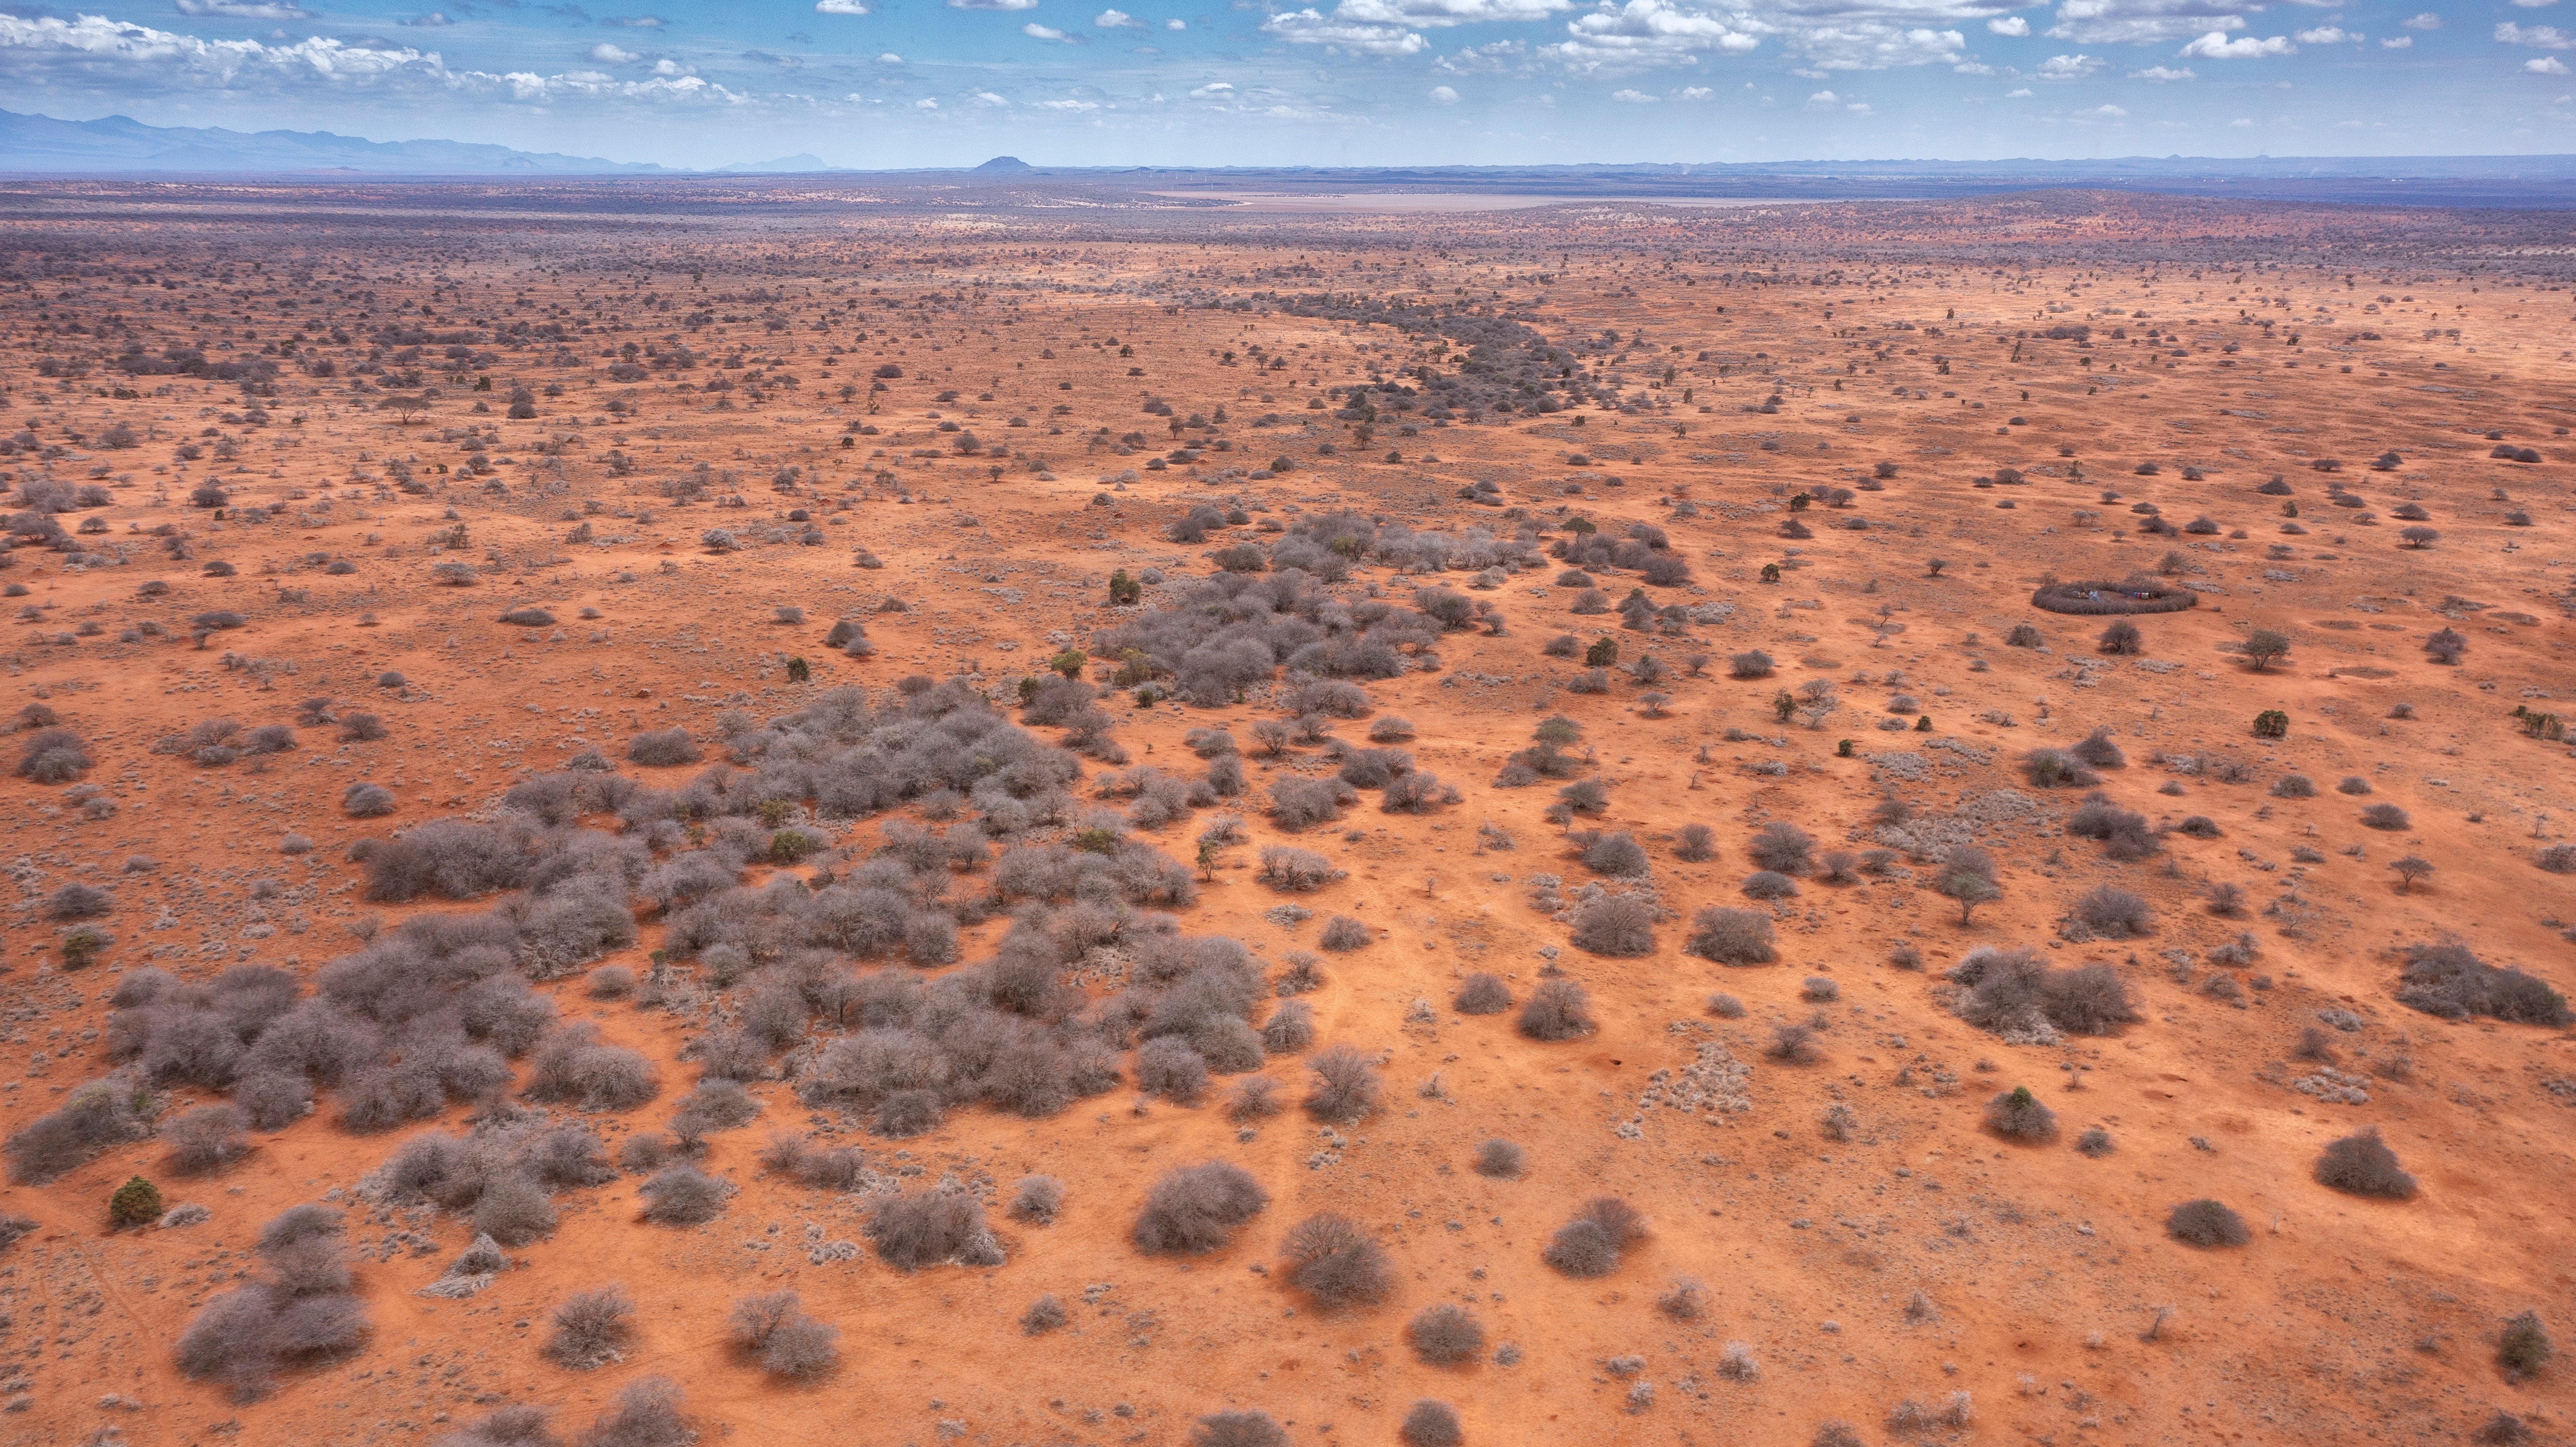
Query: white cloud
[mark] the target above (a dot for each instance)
(2012, 25)
(1035, 31)
(33, 50)
(1214, 90)
(2539, 37)
(1872, 45)
(246, 9)
(1117, 20)
(1176, 25)
(636, 22)
(1068, 105)
(1824, 98)
(1310, 27)
(1394, 27)
(841, 7)
(1696, 92)
(889, 58)
(1444, 95)
(1972, 67)
(1858, 108)
(992, 4)
(925, 104)
(2114, 112)
(1636, 34)
(2163, 74)
(2329, 35)
(2400, 43)
(2020, 94)
(2426, 21)
(988, 99)
(2532, 4)
(607, 54)
(1634, 97)
(431, 21)
(2069, 67)
(2545, 65)
(2216, 46)
(2144, 22)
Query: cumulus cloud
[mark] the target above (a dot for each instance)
(1394, 27)
(1636, 34)
(607, 54)
(2545, 65)
(636, 22)
(2143, 22)
(432, 20)
(1035, 31)
(1443, 95)
(2163, 74)
(992, 4)
(1634, 97)
(841, 7)
(2426, 21)
(2240, 122)
(2400, 43)
(1068, 105)
(1214, 90)
(2111, 111)
(1117, 20)
(2068, 67)
(2216, 46)
(1176, 25)
(2329, 35)
(925, 104)
(1824, 98)
(2022, 94)
(2539, 37)
(99, 50)
(988, 99)
(2012, 25)
(1696, 92)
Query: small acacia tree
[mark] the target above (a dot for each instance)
(2264, 647)
(2410, 869)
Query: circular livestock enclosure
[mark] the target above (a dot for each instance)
(2131, 595)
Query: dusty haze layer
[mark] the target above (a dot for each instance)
(252, 434)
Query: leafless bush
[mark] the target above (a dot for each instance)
(1732, 936)
(663, 748)
(1169, 1067)
(1500, 1159)
(1044, 1315)
(1557, 1010)
(1345, 1088)
(1794, 1044)
(1237, 1429)
(1685, 1300)
(1768, 884)
(1295, 870)
(1616, 925)
(208, 1138)
(97, 1116)
(2016, 1114)
(2452, 982)
(1482, 994)
(2207, 1223)
(928, 1228)
(2115, 913)
(1342, 933)
(1589, 1245)
(1445, 1334)
(1428, 1423)
(647, 1414)
(683, 1196)
(592, 1328)
(1331, 1259)
(1196, 1208)
(2361, 1164)
(1698, 844)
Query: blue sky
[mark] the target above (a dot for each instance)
(901, 83)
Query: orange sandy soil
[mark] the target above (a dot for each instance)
(2345, 1320)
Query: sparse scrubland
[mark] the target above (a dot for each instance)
(1130, 821)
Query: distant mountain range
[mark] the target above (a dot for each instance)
(116, 144)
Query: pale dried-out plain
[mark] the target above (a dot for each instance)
(709, 732)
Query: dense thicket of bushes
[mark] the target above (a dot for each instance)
(2016, 994)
